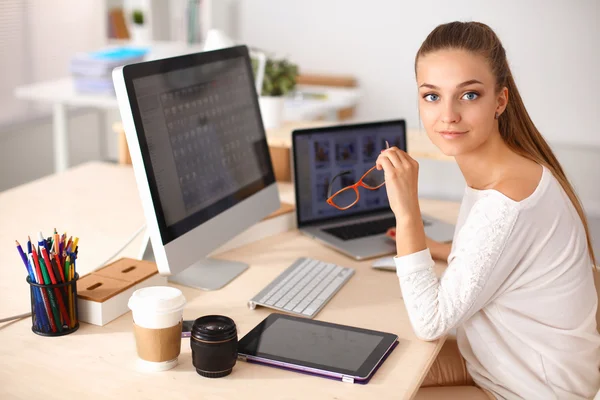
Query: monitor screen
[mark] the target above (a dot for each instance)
(202, 139)
(321, 154)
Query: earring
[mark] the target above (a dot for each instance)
(496, 115)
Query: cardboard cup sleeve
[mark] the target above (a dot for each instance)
(158, 345)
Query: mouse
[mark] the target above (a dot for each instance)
(385, 263)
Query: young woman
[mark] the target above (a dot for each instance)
(518, 287)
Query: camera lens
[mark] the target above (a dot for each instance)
(214, 345)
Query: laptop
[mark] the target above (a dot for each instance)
(319, 154)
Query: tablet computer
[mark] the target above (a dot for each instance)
(320, 348)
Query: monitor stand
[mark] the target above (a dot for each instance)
(208, 274)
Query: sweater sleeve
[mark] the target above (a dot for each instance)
(436, 305)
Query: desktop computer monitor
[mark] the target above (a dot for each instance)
(200, 158)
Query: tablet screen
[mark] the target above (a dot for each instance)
(323, 345)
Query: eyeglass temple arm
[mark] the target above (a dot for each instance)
(333, 180)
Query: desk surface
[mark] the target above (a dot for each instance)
(104, 210)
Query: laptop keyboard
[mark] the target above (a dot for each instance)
(364, 229)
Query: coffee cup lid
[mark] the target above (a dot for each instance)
(160, 299)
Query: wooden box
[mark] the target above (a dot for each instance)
(103, 294)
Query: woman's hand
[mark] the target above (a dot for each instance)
(401, 181)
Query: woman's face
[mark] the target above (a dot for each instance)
(457, 100)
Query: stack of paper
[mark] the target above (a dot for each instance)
(92, 71)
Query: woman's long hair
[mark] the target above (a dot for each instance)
(516, 127)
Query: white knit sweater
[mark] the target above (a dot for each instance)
(520, 291)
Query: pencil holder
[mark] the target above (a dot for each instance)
(54, 308)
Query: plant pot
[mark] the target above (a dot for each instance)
(139, 34)
(271, 109)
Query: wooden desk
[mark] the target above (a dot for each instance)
(103, 209)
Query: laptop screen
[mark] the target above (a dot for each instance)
(320, 154)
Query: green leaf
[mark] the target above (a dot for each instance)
(280, 77)
(138, 17)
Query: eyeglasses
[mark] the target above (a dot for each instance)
(349, 195)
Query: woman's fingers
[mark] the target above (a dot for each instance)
(385, 164)
(393, 156)
(396, 157)
(407, 161)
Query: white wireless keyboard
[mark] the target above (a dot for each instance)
(303, 288)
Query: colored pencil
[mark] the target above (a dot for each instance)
(50, 293)
(40, 280)
(61, 304)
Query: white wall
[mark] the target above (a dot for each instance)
(377, 43)
(58, 29)
(553, 49)
(26, 148)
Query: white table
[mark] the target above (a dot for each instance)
(61, 94)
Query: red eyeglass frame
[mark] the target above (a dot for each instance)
(353, 187)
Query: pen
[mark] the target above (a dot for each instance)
(75, 242)
(56, 242)
(67, 270)
(50, 293)
(42, 280)
(64, 291)
(31, 278)
(56, 270)
(61, 250)
(41, 241)
(23, 257)
(49, 267)
(59, 267)
(48, 264)
(68, 246)
(39, 305)
(38, 259)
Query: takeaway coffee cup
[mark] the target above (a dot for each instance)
(157, 318)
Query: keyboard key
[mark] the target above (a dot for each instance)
(289, 283)
(303, 287)
(299, 264)
(309, 311)
(293, 290)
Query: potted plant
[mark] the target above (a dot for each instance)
(139, 32)
(279, 80)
